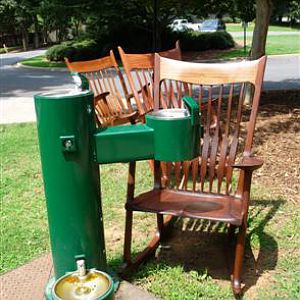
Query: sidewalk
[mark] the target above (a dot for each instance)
(17, 110)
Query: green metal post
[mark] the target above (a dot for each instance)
(71, 178)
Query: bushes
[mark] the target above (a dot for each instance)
(138, 41)
(58, 52)
(75, 50)
(221, 40)
(189, 41)
(192, 41)
(229, 19)
(132, 39)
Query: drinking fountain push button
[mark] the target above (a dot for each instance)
(68, 143)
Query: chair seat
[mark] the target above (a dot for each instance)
(197, 205)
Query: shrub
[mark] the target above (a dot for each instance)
(189, 41)
(221, 40)
(58, 52)
(192, 41)
(228, 19)
(132, 39)
(74, 50)
(136, 40)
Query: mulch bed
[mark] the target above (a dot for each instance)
(277, 140)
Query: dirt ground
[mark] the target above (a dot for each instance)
(277, 140)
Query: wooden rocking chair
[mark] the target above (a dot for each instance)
(140, 75)
(203, 188)
(112, 106)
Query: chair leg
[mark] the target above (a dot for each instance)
(231, 233)
(160, 226)
(149, 251)
(128, 238)
(238, 261)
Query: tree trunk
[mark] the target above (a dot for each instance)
(24, 38)
(77, 26)
(36, 42)
(263, 14)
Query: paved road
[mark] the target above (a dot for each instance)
(18, 85)
(12, 58)
(282, 73)
(25, 82)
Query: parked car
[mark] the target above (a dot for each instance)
(184, 24)
(212, 25)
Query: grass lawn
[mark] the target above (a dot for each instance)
(275, 45)
(232, 27)
(41, 61)
(273, 233)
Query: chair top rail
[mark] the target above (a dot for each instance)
(140, 61)
(210, 73)
(92, 65)
(146, 60)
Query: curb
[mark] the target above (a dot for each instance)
(224, 60)
(282, 55)
(58, 69)
(215, 60)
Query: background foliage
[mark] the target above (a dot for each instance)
(103, 20)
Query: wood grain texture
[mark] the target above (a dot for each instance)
(205, 188)
(108, 85)
(139, 73)
(209, 74)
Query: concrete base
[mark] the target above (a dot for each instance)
(28, 282)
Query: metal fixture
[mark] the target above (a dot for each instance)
(83, 285)
(71, 148)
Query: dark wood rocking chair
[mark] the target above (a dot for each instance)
(112, 105)
(139, 73)
(204, 187)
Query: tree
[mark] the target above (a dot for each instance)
(21, 15)
(294, 11)
(245, 9)
(263, 15)
(287, 8)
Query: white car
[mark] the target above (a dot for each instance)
(183, 24)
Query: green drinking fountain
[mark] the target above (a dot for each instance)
(71, 149)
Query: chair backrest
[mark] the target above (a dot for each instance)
(139, 73)
(104, 76)
(220, 90)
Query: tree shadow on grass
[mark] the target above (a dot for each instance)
(201, 245)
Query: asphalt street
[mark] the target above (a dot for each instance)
(18, 85)
(23, 82)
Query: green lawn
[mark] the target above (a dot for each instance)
(273, 232)
(275, 45)
(42, 62)
(231, 27)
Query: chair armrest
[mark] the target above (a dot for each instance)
(248, 163)
(101, 96)
(131, 95)
(125, 118)
(129, 115)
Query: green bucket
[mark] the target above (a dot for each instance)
(176, 132)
